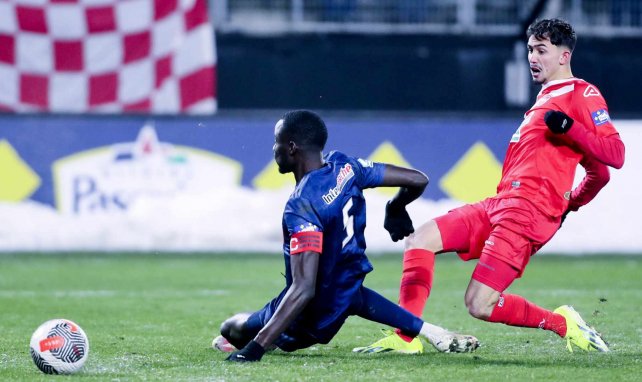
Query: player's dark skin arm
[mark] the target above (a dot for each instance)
(412, 184)
(304, 268)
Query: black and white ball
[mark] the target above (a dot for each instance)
(59, 347)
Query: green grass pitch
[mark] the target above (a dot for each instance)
(152, 317)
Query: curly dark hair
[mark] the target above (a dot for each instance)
(559, 32)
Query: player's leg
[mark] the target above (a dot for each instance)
(418, 267)
(374, 307)
(486, 300)
(241, 328)
(462, 230)
(517, 234)
(450, 232)
(233, 334)
(504, 256)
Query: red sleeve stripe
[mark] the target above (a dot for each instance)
(306, 241)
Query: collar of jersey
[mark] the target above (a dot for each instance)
(326, 165)
(559, 82)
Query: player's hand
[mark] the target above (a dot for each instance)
(397, 222)
(558, 122)
(252, 352)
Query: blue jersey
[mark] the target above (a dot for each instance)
(330, 200)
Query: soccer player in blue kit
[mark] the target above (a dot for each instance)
(324, 249)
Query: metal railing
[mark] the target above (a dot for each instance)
(500, 17)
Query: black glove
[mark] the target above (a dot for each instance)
(397, 222)
(252, 352)
(558, 122)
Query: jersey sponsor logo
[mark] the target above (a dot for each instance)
(345, 174)
(306, 241)
(600, 117)
(591, 91)
(365, 162)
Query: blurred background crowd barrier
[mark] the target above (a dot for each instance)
(422, 55)
(148, 125)
(489, 17)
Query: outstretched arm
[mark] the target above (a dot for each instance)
(412, 184)
(606, 149)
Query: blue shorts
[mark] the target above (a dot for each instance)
(298, 335)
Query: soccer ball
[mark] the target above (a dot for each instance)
(59, 347)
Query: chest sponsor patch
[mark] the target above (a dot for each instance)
(306, 241)
(345, 174)
(600, 117)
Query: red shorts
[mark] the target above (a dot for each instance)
(510, 230)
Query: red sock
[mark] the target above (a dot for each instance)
(515, 310)
(416, 281)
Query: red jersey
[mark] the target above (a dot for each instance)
(540, 166)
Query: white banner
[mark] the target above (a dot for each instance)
(236, 218)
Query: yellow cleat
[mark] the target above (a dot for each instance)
(392, 343)
(578, 332)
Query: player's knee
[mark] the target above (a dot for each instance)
(233, 326)
(411, 242)
(478, 308)
(426, 236)
(476, 311)
(226, 328)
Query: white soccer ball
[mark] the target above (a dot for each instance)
(59, 347)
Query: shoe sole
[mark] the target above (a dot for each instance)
(458, 344)
(365, 350)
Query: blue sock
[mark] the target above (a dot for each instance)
(375, 307)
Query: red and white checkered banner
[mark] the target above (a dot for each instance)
(107, 56)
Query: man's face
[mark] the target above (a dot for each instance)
(545, 60)
(281, 150)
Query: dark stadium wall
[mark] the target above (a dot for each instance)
(402, 72)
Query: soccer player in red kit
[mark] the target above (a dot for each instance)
(568, 125)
